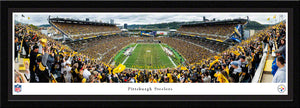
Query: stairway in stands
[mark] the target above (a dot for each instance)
(20, 66)
(57, 28)
(267, 75)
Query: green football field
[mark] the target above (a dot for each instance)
(148, 56)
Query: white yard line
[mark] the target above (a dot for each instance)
(172, 61)
(125, 60)
(169, 57)
(128, 56)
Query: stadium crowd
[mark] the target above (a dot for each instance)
(84, 44)
(108, 48)
(191, 52)
(53, 62)
(210, 45)
(223, 30)
(84, 30)
(202, 35)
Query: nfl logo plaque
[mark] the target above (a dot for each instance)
(18, 88)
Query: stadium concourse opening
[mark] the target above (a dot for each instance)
(87, 51)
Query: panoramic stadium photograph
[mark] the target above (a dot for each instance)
(151, 47)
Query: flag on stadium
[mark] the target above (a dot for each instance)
(83, 80)
(216, 57)
(66, 53)
(34, 36)
(238, 30)
(212, 63)
(119, 68)
(99, 76)
(193, 67)
(222, 78)
(43, 42)
(53, 80)
(237, 40)
(280, 23)
(274, 16)
(28, 17)
(55, 52)
(178, 76)
(236, 53)
(227, 70)
(268, 19)
(183, 68)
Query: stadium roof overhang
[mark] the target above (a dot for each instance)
(209, 39)
(74, 21)
(224, 22)
(172, 30)
(124, 30)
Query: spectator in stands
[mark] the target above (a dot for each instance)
(279, 37)
(281, 47)
(27, 71)
(131, 79)
(91, 79)
(235, 70)
(271, 41)
(280, 75)
(50, 61)
(86, 73)
(274, 63)
(56, 69)
(115, 78)
(19, 77)
(16, 48)
(266, 40)
(75, 73)
(67, 72)
(244, 65)
(206, 77)
(250, 69)
(104, 78)
(41, 68)
(166, 79)
(26, 46)
(256, 60)
(32, 65)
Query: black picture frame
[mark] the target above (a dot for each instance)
(145, 6)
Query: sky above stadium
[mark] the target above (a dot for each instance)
(149, 18)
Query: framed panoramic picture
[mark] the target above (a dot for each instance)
(150, 52)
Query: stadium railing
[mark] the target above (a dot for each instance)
(259, 71)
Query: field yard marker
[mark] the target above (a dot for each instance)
(169, 57)
(128, 56)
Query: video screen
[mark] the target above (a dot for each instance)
(152, 53)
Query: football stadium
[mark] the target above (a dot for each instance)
(209, 51)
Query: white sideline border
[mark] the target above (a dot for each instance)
(129, 56)
(169, 57)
